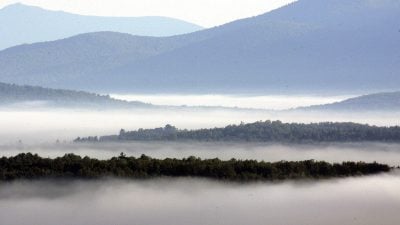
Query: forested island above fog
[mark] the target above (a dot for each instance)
(261, 131)
(29, 166)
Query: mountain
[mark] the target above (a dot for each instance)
(309, 46)
(28, 96)
(388, 101)
(21, 24)
(75, 62)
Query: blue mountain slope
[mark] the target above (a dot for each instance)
(333, 45)
(21, 24)
(27, 96)
(307, 46)
(78, 61)
(388, 101)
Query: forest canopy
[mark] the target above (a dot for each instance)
(262, 131)
(32, 166)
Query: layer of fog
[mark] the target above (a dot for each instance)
(276, 102)
(353, 201)
(332, 152)
(48, 125)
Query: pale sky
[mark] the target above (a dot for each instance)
(207, 13)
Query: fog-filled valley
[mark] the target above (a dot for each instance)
(388, 153)
(38, 125)
(352, 201)
(286, 117)
(49, 132)
(250, 101)
(33, 123)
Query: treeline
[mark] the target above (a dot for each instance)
(32, 166)
(262, 131)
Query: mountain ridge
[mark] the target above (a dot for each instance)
(47, 25)
(22, 96)
(12, 94)
(341, 47)
(385, 101)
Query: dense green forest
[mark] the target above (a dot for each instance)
(29, 166)
(262, 131)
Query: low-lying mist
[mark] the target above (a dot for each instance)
(48, 125)
(353, 201)
(330, 152)
(276, 102)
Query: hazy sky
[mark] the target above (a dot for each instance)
(206, 13)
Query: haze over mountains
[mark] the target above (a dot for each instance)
(13, 96)
(389, 101)
(20, 24)
(95, 106)
(308, 46)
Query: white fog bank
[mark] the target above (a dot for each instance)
(353, 201)
(48, 125)
(276, 102)
(330, 152)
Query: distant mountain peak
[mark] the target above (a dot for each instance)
(49, 25)
(310, 46)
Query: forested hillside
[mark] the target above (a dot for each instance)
(388, 101)
(11, 94)
(267, 131)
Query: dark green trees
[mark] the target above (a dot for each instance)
(267, 131)
(29, 166)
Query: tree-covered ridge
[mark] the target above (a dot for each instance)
(262, 131)
(385, 101)
(29, 166)
(11, 93)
